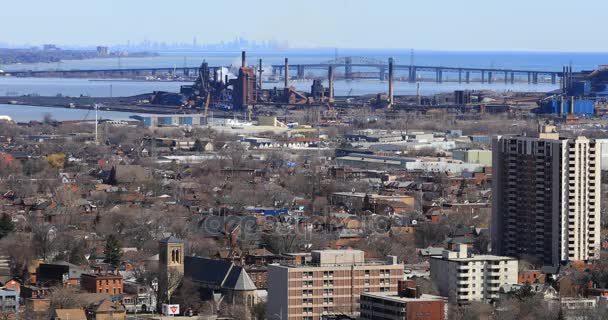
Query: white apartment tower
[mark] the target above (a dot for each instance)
(464, 277)
(546, 197)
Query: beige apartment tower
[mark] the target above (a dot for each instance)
(331, 284)
(546, 197)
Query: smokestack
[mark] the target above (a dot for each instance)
(390, 82)
(570, 78)
(563, 79)
(566, 79)
(246, 89)
(331, 83)
(243, 59)
(572, 106)
(286, 73)
(260, 71)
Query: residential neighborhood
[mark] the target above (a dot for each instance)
(339, 222)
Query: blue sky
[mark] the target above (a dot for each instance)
(557, 25)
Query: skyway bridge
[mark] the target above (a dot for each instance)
(348, 68)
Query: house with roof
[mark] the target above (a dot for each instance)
(107, 310)
(545, 291)
(59, 273)
(69, 314)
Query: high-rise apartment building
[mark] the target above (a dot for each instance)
(331, 284)
(546, 197)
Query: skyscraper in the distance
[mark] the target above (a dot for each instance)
(546, 197)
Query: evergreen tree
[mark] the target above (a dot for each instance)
(112, 176)
(366, 203)
(113, 250)
(6, 225)
(198, 146)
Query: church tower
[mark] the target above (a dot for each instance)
(171, 266)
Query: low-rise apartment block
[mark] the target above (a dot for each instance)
(330, 284)
(406, 304)
(464, 277)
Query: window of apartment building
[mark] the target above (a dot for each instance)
(328, 282)
(365, 289)
(100, 290)
(328, 300)
(307, 292)
(327, 310)
(307, 310)
(328, 292)
(307, 283)
(306, 300)
(328, 273)
(307, 318)
(367, 273)
(367, 282)
(385, 289)
(307, 274)
(107, 282)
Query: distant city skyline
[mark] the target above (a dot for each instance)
(473, 25)
(237, 43)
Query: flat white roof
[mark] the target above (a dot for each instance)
(394, 296)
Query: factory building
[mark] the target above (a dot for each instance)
(564, 105)
(479, 156)
(170, 120)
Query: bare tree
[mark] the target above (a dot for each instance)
(44, 236)
(20, 250)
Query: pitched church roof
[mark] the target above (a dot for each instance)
(218, 273)
(239, 280)
(171, 239)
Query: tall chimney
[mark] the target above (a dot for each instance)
(570, 77)
(243, 59)
(260, 71)
(286, 73)
(563, 79)
(390, 82)
(572, 106)
(330, 75)
(566, 79)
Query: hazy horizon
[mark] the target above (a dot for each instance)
(435, 25)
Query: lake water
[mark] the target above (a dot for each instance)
(76, 87)
(29, 113)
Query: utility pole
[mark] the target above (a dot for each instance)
(418, 91)
(96, 110)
